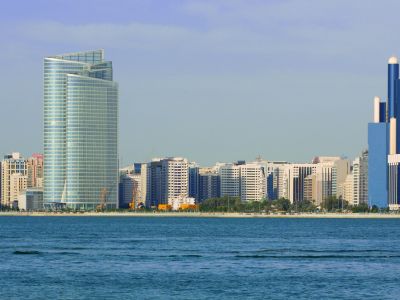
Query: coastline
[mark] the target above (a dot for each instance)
(204, 215)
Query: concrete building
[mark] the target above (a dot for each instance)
(318, 180)
(277, 179)
(310, 188)
(346, 189)
(80, 131)
(13, 178)
(230, 179)
(297, 173)
(31, 199)
(133, 186)
(154, 183)
(167, 178)
(175, 175)
(18, 184)
(34, 166)
(178, 202)
(209, 184)
(360, 179)
(194, 180)
(252, 182)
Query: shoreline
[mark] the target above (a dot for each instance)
(205, 215)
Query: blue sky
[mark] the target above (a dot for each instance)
(211, 80)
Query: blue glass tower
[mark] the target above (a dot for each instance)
(377, 164)
(383, 144)
(80, 131)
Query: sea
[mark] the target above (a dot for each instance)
(198, 258)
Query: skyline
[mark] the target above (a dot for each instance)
(220, 54)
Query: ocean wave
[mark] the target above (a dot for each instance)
(27, 252)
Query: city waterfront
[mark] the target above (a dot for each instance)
(201, 258)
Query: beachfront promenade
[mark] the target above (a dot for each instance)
(204, 214)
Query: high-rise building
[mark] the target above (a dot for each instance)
(252, 182)
(13, 178)
(154, 183)
(310, 188)
(194, 181)
(277, 179)
(80, 131)
(378, 150)
(133, 186)
(209, 184)
(297, 175)
(360, 179)
(384, 145)
(34, 165)
(230, 180)
(346, 189)
(18, 184)
(318, 180)
(175, 179)
(167, 179)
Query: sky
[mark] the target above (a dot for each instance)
(210, 80)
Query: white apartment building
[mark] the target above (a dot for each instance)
(360, 179)
(10, 185)
(346, 189)
(174, 178)
(18, 184)
(252, 182)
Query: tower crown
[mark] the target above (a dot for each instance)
(393, 60)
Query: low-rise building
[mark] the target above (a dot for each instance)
(31, 199)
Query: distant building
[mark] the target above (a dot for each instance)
(318, 180)
(18, 184)
(297, 175)
(194, 181)
(346, 189)
(209, 184)
(34, 165)
(133, 186)
(384, 144)
(167, 179)
(31, 199)
(13, 178)
(80, 131)
(252, 182)
(154, 183)
(277, 179)
(127, 184)
(230, 180)
(310, 188)
(360, 179)
(175, 175)
(179, 202)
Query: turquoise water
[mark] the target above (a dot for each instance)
(198, 258)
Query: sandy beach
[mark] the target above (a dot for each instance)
(203, 215)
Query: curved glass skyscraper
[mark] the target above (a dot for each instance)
(80, 131)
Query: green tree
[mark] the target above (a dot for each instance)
(281, 204)
(332, 203)
(360, 208)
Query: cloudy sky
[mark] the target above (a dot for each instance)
(211, 80)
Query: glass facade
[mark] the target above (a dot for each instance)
(80, 131)
(377, 164)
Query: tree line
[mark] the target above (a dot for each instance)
(330, 204)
